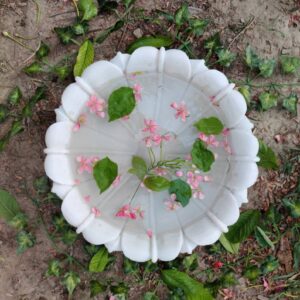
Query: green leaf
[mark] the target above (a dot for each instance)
(201, 156)
(289, 64)
(252, 273)
(293, 206)
(84, 58)
(181, 15)
(190, 262)
(120, 291)
(245, 225)
(245, 91)
(25, 240)
(192, 289)
(43, 50)
(121, 103)
(150, 296)
(9, 206)
(99, 261)
(290, 103)
(130, 267)
(267, 100)
(153, 41)
(3, 113)
(230, 247)
(96, 288)
(34, 68)
(251, 58)
(156, 183)
(69, 237)
(210, 125)
(70, 281)
(264, 236)
(225, 57)
(266, 67)
(269, 265)
(19, 221)
(62, 72)
(228, 279)
(14, 96)
(16, 127)
(139, 167)
(128, 3)
(80, 28)
(54, 268)
(105, 33)
(38, 95)
(198, 26)
(296, 256)
(213, 43)
(65, 34)
(105, 172)
(41, 185)
(88, 9)
(182, 190)
(268, 159)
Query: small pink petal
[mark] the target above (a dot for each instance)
(95, 211)
(149, 233)
(87, 199)
(117, 180)
(179, 173)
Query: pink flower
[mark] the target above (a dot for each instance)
(171, 203)
(210, 140)
(166, 137)
(198, 195)
(157, 138)
(226, 132)
(85, 164)
(126, 211)
(87, 199)
(96, 106)
(80, 121)
(181, 110)
(95, 211)
(227, 147)
(150, 125)
(137, 90)
(160, 171)
(218, 264)
(266, 284)
(117, 180)
(149, 233)
(193, 179)
(148, 141)
(179, 173)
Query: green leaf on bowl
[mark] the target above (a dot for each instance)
(210, 125)
(156, 183)
(139, 167)
(182, 190)
(201, 156)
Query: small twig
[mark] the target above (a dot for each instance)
(9, 36)
(62, 13)
(76, 7)
(38, 11)
(242, 31)
(26, 38)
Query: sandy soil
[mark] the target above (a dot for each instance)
(22, 276)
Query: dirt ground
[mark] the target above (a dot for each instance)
(23, 276)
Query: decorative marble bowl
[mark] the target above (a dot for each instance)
(165, 76)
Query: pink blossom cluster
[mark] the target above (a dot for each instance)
(171, 203)
(154, 138)
(181, 110)
(137, 91)
(86, 164)
(127, 211)
(96, 106)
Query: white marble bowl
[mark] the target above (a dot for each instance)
(165, 76)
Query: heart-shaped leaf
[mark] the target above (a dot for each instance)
(88, 9)
(290, 103)
(139, 167)
(182, 190)
(201, 156)
(267, 100)
(210, 125)
(70, 281)
(266, 67)
(289, 64)
(156, 183)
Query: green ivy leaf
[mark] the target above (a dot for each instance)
(266, 67)
(19, 221)
(261, 235)
(54, 268)
(38, 95)
(156, 183)
(70, 281)
(293, 206)
(16, 127)
(201, 156)
(84, 58)
(225, 57)
(34, 68)
(99, 261)
(43, 50)
(290, 103)
(252, 273)
(269, 265)
(213, 43)
(245, 225)
(69, 237)
(14, 96)
(3, 113)
(128, 3)
(65, 34)
(139, 167)
(62, 72)
(150, 296)
(105, 172)
(210, 125)
(268, 159)
(267, 100)
(230, 247)
(251, 58)
(9, 206)
(25, 240)
(190, 262)
(121, 103)
(96, 288)
(245, 91)
(181, 15)
(182, 190)
(289, 64)
(192, 289)
(153, 41)
(88, 9)
(198, 26)
(296, 256)
(80, 28)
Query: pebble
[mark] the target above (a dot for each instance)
(138, 33)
